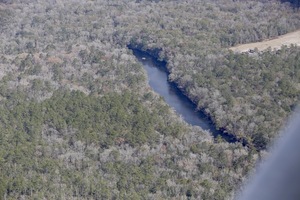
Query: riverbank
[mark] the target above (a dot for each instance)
(176, 96)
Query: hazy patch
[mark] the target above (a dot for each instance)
(279, 178)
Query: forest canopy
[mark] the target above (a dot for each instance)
(79, 120)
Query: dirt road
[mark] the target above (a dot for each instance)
(287, 39)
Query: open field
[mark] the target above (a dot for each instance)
(287, 39)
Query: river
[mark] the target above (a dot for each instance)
(158, 81)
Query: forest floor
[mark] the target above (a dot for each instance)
(276, 43)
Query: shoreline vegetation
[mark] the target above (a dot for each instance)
(221, 132)
(261, 59)
(79, 120)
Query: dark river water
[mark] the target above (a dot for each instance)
(158, 80)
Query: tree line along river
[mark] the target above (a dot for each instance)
(158, 80)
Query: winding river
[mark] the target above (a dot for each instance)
(158, 80)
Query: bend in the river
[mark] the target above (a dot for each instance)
(158, 80)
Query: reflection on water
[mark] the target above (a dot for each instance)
(158, 80)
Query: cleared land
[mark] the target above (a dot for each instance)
(287, 39)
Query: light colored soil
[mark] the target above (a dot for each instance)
(287, 39)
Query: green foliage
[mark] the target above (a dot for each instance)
(126, 144)
(51, 148)
(111, 117)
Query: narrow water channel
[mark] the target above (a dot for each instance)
(158, 80)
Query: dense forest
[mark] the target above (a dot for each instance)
(79, 120)
(235, 90)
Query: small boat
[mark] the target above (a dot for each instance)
(143, 58)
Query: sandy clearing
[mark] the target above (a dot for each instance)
(287, 39)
